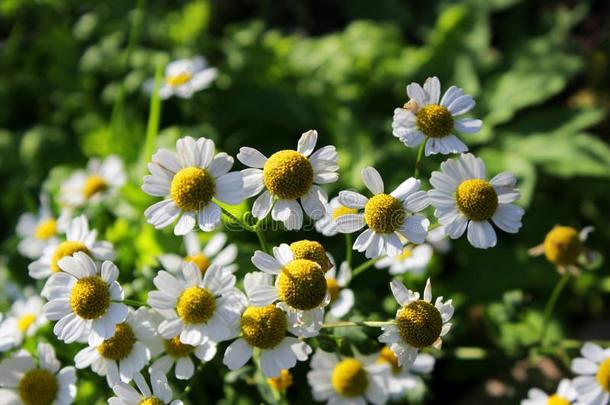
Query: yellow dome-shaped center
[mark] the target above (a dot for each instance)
(38, 387)
(311, 250)
(557, 400)
(562, 245)
(263, 327)
(196, 305)
(151, 401)
(603, 375)
(419, 324)
(119, 346)
(67, 248)
(333, 288)
(288, 174)
(434, 121)
(93, 185)
(301, 284)
(178, 79)
(349, 378)
(175, 348)
(25, 321)
(387, 356)
(477, 199)
(199, 260)
(192, 188)
(46, 229)
(90, 297)
(384, 213)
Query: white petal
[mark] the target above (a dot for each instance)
(209, 217)
(307, 142)
(481, 234)
(415, 91)
(468, 125)
(372, 180)
(237, 354)
(185, 224)
(230, 188)
(251, 157)
(508, 217)
(351, 199)
(461, 105)
(349, 223)
(262, 205)
(220, 165)
(405, 188)
(266, 262)
(253, 182)
(432, 86)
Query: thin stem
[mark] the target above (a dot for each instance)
(235, 219)
(420, 154)
(348, 249)
(154, 118)
(192, 382)
(353, 324)
(550, 305)
(365, 266)
(261, 238)
(135, 303)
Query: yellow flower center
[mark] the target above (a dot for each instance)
(301, 284)
(406, 253)
(349, 378)
(387, 356)
(311, 250)
(603, 375)
(477, 199)
(557, 400)
(24, 323)
(333, 288)
(90, 297)
(343, 210)
(384, 213)
(419, 324)
(562, 245)
(119, 346)
(38, 387)
(288, 174)
(151, 401)
(175, 348)
(192, 188)
(67, 248)
(196, 305)
(178, 79)
(434, 121)
(93, 185)
(281, 382)
(263, 327)
(46, 229)
(200, 261)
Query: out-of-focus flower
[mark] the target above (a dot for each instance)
(281, 382)
(405, 378)
(564, 247)
(40, 230)
(24, 319)
(179, 354)
(413, 259)
(183, 78)
(327, 225)
(341, 297)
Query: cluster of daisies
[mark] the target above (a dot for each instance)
(199, 306)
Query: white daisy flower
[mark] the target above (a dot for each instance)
(191, 181)
(565, 395)
(565, 247)
(341, 297)
(197, 307)
(184, 77)
(423, 118)
(413, 259)
(419, 323)
(86, 299)
(39, 230)
(407, 377)
(101, 179)
(79, 238)
(388, 217)
(161, 393)
(24, 319)
(348, 380)
(179, 354)
(327, 225)
(288, 176)
(214, 252)
(437, 238)
(464, 199)
(593, 370)
(265, 329)
(300, 283)
(23, 382)
(129, 349)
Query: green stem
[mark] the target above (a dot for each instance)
(353, 324)
(420, 154)
(154, 118)
(365, 266)
(192, 382)
(348, 249)
(235, 219)
(550, 305)
(135, 303)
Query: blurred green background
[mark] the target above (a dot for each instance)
(71, 75)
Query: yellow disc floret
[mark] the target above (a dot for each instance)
(477, 199)
(281, 382)
(333, 288)
(175, 348)
(434, 121)
(25, 321)
(557, 400)
(343, 210)
(38, 387)
(406, 253)
(562, 245)
(151, 401)
(67, 248)
(603, 375)
(196, 305)
(192, 188)
(349, 378)
(46, 228)
(263, 327)
(387, 356)
(302, 285)
(199, 260)
(384, 213)
(119, 346)
(311, 250)
(178, 79)
(93, 185)
(419, 324)
(90, 297)
(288, 174)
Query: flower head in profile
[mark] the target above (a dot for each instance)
(265, 329)
(27, 381)
(593, 369)
(24, 319)
(341, 298)
(327, 225)
(419, 323)
(86, 300)
(565, 395)
(348, 380)
(157, 393)
(465, 200)
(424, 118)
(565, 247)
(189, 183)
(407, 377)
(290, 176)
(389, 218)
(414, 259)
(102, 179)
(40, 230)
(184, 77)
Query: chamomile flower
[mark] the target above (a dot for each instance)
(214, 252)
(101, 179)
(407, 377)
(85, 299)
(79, 238)
(281, 382)
(265, 329)
(178, 354)
(300, 283)
(413, 259)
(419, 323)
(464, 199)
(39, 230)
(287, 177)
(388, 217)
(184, 77)
(129, 349)
(348, 380)
(191, 181)
(423, 118)
(341, 297)
(24, 381)
(197, 307)
(593, 370)
(327, 225)
(564, 247)
(160, 394)
(24, 319)
(565, 395)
